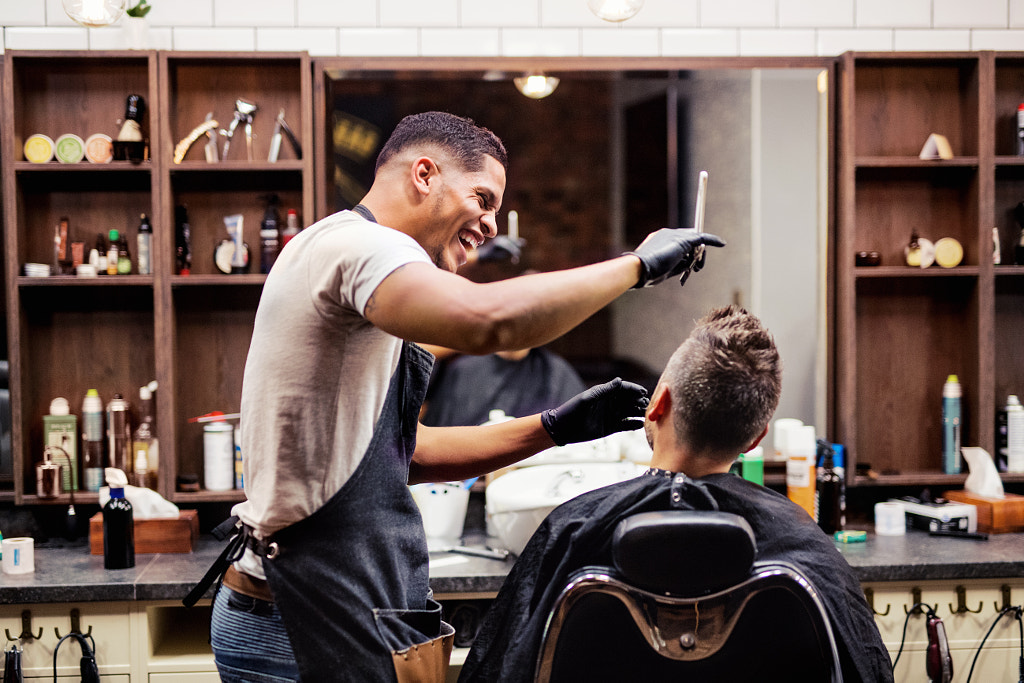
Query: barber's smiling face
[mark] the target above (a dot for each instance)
(463, 212)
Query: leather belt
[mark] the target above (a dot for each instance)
(248, 585)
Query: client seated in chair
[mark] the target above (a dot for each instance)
(714, 400)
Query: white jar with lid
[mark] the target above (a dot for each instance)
(218, 456)
(1014, 434)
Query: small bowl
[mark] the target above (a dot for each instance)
(134, 151)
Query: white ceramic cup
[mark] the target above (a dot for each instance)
(19, 555)
(890, 519)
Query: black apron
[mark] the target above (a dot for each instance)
(351, 580)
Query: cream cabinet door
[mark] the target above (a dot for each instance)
(108, 623)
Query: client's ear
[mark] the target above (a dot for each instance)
(751, 447)
(660, 404)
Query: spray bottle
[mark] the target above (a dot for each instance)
(951, 393)
(118, 524)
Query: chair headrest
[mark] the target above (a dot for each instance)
(683, 552)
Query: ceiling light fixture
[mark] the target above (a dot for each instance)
(536, 85)
(615, 10)
(94, 13)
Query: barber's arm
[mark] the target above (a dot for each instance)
(453, 453)
(421, 303)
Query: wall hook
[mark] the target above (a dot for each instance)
(1005, 590)
(916, 604)
(26, 628)
(961, 603)
(869, 595)
(75, 626)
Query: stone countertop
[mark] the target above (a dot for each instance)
(70, 574)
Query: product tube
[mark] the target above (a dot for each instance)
(234, 224)
(951, 393)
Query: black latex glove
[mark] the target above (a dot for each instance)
(611, 407)
(669, 252)
(501, 248)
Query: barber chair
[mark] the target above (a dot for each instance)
(685, 601)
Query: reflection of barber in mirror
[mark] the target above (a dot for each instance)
(465, 389)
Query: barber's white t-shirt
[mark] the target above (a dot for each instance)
(317, 371)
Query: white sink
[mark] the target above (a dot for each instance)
(519, 501)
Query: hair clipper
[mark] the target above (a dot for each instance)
(940, 663)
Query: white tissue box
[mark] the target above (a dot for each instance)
(166, 535)
(995, 515)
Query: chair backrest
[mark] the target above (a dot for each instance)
(685, 602)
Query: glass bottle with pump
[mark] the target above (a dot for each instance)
(145, 245)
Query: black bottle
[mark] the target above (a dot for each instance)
(118, 525)
(830, 501)
(269, 235)
(182, 241)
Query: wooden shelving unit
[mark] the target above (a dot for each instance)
(116, 333)
(899, 331)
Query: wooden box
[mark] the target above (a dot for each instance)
(153, 535)
(995, 515)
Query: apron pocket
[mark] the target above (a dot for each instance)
(420, 642)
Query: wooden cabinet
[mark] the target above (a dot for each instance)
(898, 331)
(116, 333)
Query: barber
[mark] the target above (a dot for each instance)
(333, 581)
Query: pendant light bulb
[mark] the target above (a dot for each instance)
(94, 13)
(536, 85)
(615, 10)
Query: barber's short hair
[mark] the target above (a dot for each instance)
(459, 137)
(725, 381)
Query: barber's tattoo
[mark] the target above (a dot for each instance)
(371, 303)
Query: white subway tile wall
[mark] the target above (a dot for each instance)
(547, 28)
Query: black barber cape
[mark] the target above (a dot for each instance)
(467, 388)
(579, 533)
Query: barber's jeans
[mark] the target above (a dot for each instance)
(249, 641)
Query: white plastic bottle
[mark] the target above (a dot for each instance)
(1014, 434)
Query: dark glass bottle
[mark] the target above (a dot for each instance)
(118, 531)
(182, 241)
(269, 235)
(829, 494)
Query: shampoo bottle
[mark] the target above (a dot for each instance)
(60, 428)
(92, 441)
(800, 468)
(145, 244)
(118, 524)
(1014, 435)
(951, 425)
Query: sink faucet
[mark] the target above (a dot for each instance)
(574, 475)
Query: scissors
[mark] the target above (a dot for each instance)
(698, 225)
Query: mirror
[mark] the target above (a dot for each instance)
(613, 154)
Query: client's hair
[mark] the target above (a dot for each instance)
(725, 381)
